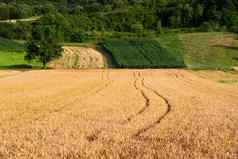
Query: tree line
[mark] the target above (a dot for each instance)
(82, 19)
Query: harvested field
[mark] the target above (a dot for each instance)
(117, 114)
(78, 58)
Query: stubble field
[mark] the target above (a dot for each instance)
(116, 114)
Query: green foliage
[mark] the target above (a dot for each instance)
(134, 16)
(159, 28)
(206, 27)
(137, 28)
(44, 44)
(58, 22)
(142, 53)
(4, 11)
(7, 45)
(233, 25)
(79, 36)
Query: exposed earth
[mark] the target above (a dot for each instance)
(118, 114)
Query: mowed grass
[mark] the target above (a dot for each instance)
(209, 50)
(12, 55)
(142, 53)
(214, 50)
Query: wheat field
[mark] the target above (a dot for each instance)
(100, 114)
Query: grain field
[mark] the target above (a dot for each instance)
(92, 114)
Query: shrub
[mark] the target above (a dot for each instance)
(206, 27)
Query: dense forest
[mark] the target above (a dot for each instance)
(82, 19)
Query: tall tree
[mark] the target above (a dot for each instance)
(44, 44)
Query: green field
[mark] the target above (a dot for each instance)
(12, 55)
(142, 53)
(214, 50)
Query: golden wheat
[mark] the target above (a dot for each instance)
(116, 114)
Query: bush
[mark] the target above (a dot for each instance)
(206, 27)
(234, 24)
(137, 28)
(79, 36)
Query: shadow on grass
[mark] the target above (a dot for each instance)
(111, 62)
(19, 67)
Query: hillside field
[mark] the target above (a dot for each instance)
(210, 50)
(215, 51)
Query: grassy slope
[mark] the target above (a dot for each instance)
(12, 55)
(210, 50)
(204, 50)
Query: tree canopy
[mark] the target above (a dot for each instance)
(127, 15)
(45, 42)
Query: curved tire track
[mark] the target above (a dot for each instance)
(147, 100)
(169, 107)
(138, 87)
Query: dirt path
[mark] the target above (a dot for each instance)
(117, 114)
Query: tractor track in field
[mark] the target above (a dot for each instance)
(60, 109)
(147, 100)
(139, 84)
(117, 114)
(169, 107)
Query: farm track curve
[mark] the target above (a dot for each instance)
(169, 107)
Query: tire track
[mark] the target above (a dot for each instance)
(95, 136)
(169, 107)
(147, 100)
(139, 85)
